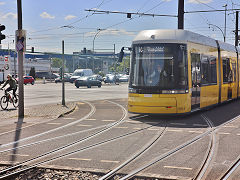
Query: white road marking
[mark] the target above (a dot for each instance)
(196, 132)
(108, 161)
(181, 124)
(175, 167)
(23, 155)
(69, 118)
(229, 126)
(174, 130)
(108, 120)
(205, 125)
(90, 119)
(224, 133)
(80, 159)
(154, 129)
(54, 123)
(121, 127)
(134, 122)
(84, 125)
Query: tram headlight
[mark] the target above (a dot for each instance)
(131, 90)
(174, 91)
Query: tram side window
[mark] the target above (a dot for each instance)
(208, 70)
(227, 72)
(234, 71)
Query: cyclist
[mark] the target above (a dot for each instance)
(12, 85)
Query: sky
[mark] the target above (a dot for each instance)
(48, 22)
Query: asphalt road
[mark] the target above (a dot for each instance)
(52, 93)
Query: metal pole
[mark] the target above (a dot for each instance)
(20, 64)
(236, 30)
(14, 64)
(63, 83)
(180, 14)
(225, 22)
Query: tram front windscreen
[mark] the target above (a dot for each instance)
(159, 68)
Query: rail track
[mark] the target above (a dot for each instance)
(21, 167)
(205, 164)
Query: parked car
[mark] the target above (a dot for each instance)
(123, 78)
(110, 78)
(98, 77)
(66, 78)
(27, 80)
(88, 81)
(80, 73)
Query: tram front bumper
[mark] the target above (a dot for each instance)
(152, 105)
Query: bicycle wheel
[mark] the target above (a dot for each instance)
(15, 101)
(4, 102)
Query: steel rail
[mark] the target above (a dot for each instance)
(73, 152)
(210, 151)
(143, 150)
(231, 170)
(68, 145)
(173, 151)
(92, 111)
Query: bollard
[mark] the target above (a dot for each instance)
(43, 80)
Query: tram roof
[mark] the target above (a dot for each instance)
(178, 36)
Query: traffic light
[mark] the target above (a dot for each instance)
(2, 36)
(60, 72)
(121, 54)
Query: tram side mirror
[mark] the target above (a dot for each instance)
(121, 54)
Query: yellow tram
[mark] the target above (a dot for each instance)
(178, 71)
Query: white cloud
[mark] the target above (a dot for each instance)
(199, 1)
(69, 17)
(45, 15)
(9, 15)
(111, 32)
(2, 3)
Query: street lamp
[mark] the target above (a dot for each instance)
(98, 31)
(224, 37)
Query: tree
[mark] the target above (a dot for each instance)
(32, 72)
(56, 62)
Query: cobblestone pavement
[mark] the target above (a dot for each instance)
(39, 111)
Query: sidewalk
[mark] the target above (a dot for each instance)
(49, 111)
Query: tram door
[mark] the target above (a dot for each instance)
(196, 80)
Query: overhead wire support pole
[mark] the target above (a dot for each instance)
(236, 30)
(20, 63)
(63, 81)
(225, 22)
(180, 14)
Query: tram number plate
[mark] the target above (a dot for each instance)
(147, 95)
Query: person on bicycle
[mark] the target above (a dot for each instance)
(12, 85)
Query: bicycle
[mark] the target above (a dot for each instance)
(8, 98)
